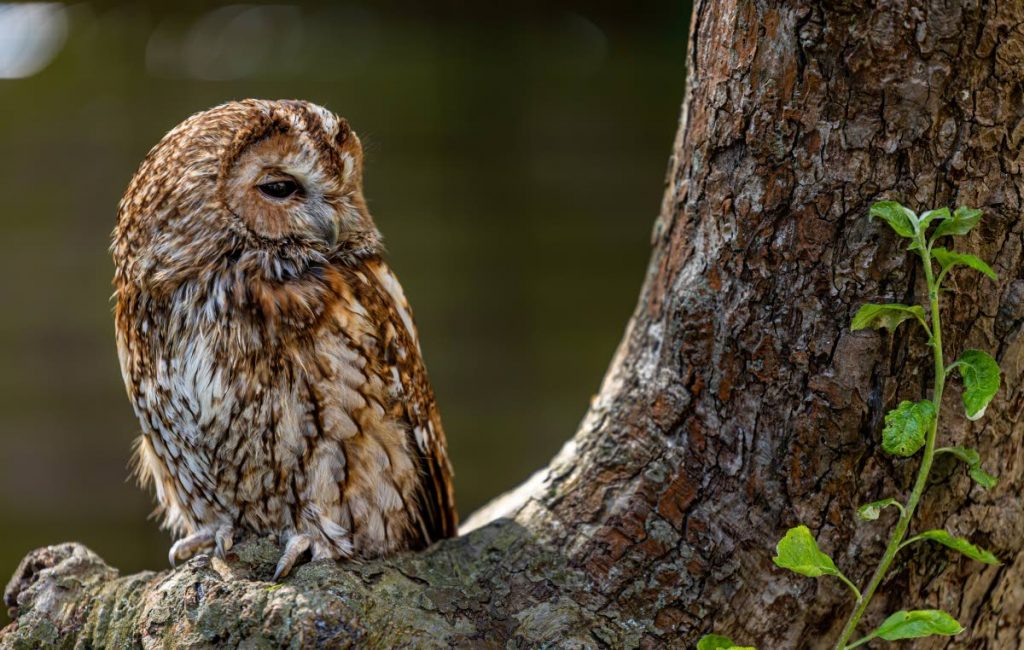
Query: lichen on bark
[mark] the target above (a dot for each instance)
(497, 582)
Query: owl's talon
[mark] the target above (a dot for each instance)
(188, 546)
(224, 539)
(293, 548)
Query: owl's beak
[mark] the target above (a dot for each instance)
(324, 225)
(330, 233)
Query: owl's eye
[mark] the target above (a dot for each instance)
(279, 189)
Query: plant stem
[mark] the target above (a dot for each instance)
(900, 531)
(849, 583)
(860, 642)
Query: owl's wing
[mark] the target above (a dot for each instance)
(413, 405)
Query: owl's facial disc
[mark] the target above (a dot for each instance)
(281, 190)
(308, 210)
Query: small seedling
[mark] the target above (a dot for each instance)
(909, 428)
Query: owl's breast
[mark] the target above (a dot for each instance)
(266, 424)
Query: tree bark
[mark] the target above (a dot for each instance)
(738, 404)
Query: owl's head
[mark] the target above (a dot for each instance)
(272, 185)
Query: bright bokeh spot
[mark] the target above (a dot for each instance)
(31, 35)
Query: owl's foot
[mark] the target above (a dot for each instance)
(220, 538)
(224, 539)
(295, 544)
(293, 549)
(187, 547)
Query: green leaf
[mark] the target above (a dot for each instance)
(948, 259)
(902, 220)
(929, 216)
(798, 551)
(719, 642)
(963, 220)
(983, 478)
(906, 427)
(957, 544)
(973, 460)
(887, 316)
(916, 624)
(871, 511)
(980, 373)
(714, 642)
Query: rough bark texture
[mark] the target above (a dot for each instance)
(738, 404)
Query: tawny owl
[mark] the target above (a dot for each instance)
(266, 347)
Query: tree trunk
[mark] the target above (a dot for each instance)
(738, 404)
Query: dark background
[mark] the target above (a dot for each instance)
(515, 163)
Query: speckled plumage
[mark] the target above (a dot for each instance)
(267, 349)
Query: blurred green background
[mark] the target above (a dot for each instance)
(515, 163)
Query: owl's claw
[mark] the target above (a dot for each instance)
(224, 539)
(188, 546)
(221, 538)
(293, 548)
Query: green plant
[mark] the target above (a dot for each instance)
(909, 428)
